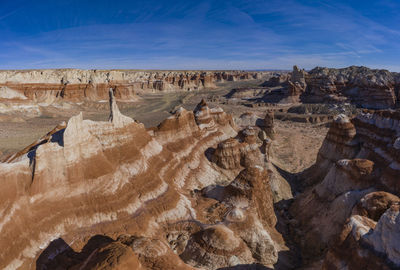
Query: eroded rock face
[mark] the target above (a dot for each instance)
(369, 88)
(227, 155)
(384, 238)
(369, 238)
(277, 79)
(241, 152)
(297, 84)
(251, 215)
(379, 131)
(47, 86)
(374, 204)
(136, 188)
(365, 87)
(112, 256)
(269, 124)
(340, 143)
(347, 215)
(216, 247)
(321, 211)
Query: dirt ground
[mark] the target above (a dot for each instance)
(296, 144)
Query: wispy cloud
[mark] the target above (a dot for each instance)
(208, 34)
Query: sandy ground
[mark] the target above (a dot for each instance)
(296, 144)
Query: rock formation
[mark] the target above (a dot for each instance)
(227, 155)
(276, 79)
(367, 88)
(268, 124)
(297, 84)
(115, 195)
(340, 143)
(199, 189)
(347, 214)
(48, 86)
(369, 239)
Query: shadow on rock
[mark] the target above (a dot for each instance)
(209, 153)
(246, 267)
(59, 255)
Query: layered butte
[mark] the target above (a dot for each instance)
(114, 194)
(368, 88)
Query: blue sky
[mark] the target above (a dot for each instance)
(211, 34)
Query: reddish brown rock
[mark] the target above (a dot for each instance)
(250, 214)
(251, 184)
(227, 155)
(363, 243)
(374, 204)
(115, 178)
(276, 80)
(216, 247)
(361, 157)
(367, 88)
(113, 256)
(297, 83)
(203, 116)
(250, 148)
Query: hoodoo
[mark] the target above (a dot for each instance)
(347, 215)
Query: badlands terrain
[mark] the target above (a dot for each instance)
(128, 169)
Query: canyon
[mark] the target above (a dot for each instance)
(200, 170)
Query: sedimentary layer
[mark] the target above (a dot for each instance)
(365, 87)
(348, 215)
(92, 195)
(76, 85)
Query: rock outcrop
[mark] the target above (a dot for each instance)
(297, 84)
(369, 239)
(250, 215)
(367, 88)
(340, 143)
(347, 214)
(268, 124)
(227, 155)
(115, 195)
(48, 86)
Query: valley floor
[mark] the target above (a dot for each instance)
(304, 139)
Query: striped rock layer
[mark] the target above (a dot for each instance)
(365, 87)
(350, 215)
(115, 195)
(48, 86)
